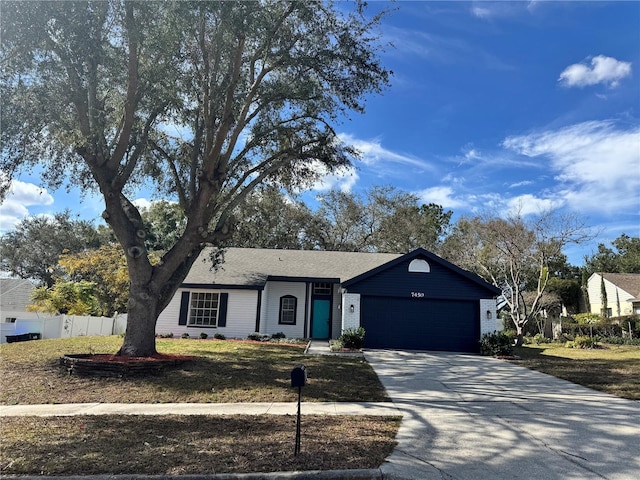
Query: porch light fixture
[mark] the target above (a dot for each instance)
(488, 314)
(352, 308)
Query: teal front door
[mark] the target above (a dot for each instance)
(320, 318)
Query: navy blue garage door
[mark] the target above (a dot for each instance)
(420, 324)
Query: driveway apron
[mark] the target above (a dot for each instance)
(471, 417)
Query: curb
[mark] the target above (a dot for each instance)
(360, 474)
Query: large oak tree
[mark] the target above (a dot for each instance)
(200, 101)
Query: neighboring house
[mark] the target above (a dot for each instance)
(623, 293)
(416, 300)
(15, 295)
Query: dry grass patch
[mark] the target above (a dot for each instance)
(612, 369)
(225, 371)
(173, 445)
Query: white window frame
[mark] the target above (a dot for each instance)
(204, 309)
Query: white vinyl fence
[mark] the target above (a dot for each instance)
(60, 326)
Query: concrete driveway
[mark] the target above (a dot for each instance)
(471, 417)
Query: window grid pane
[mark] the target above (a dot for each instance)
(204, 309)
(322, 288)
(288, 310)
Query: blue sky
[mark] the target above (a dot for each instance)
(494, 107)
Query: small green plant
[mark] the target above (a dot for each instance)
(203, 336)
(587, 318)
(496, 344)
(352, 338)
(581, 341)
(539, 339)
(219, 336)
(185, 335)
(278, 335)
(259, 337)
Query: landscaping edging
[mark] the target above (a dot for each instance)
(90, 365)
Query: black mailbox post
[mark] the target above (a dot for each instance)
(299, 380)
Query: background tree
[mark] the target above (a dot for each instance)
(106, 269)
(384, 219)
(603, 299)
(73, 298)
(269, 219)
(201, 101)
(515, 255)
(32, 248)
(343, 222)
(165, 223)
(568, 290)
(623, 258)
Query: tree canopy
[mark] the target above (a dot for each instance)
(200, 101)
(624, 257)
(32, 248)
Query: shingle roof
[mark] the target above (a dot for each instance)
(15, 293)
(629, 282)
(252, 266)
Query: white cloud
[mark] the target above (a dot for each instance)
(20, 196)
(441, 195)
(524, 183)
(596, 164)
(481, 12)
(343, 178)
(142, 203)
(500, 9)
(373, 153)
(531, 205)
(602, 69)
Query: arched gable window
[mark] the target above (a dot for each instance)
(419, 265)
(288, 304)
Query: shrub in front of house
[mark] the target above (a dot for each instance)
(203, 336)
(496, 344)
(219, 336)
(278, 335)
(581, 341)
(352, 338)
(185, 335)
(259, 337)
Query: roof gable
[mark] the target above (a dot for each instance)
(629, 282)
(430, 257)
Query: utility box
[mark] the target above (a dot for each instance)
(299, 376)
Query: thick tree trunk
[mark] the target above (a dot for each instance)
(139, 339)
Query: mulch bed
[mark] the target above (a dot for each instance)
(108, 365)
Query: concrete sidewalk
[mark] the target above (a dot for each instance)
(290, 408)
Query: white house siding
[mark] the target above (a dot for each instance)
(613, 294)
(350, 319)
(271, 303)
(241, 316)
(488, 323)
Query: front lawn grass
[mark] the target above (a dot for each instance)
(176, 445)
(224, 371)
(610, 368)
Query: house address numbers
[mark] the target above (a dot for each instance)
(417, 294)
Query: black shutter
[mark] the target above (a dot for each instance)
(184, 309)
(222, 310)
